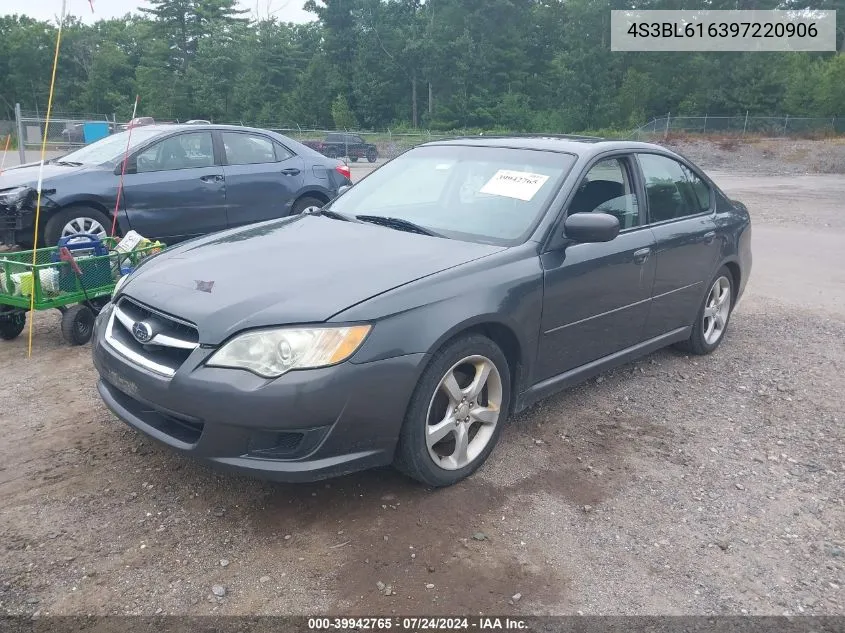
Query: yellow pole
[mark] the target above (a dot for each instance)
(40, 174)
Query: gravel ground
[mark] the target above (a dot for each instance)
(672, 485)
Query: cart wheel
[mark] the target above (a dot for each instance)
(11, 324)
(77, 324)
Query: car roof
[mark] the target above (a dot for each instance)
(196, 127)
(570, 144)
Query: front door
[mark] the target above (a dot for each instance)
(596, 296)
(262, 177)
(175, 190)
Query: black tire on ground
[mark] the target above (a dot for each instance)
(303, 203)
(372, 155)
(11, 324)
(331, 153)
(412, 456)
(77, 324)
(697, 343)
(354, 159)
(53, 229)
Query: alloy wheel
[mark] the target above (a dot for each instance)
(84, 225)
(463, 412)
(716, 310)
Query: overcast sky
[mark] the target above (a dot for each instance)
(285, 10)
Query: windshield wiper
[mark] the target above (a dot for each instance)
(334, 215)
(399, 224)
(67, 163)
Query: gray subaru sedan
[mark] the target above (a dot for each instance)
(407, 320)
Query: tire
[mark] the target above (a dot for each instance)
(706, 333)
(372, 155)
(437, 462)
(77, 324)
(354, 159)
(81, 216)
(331, 153)
(12, 324)
(304, 203)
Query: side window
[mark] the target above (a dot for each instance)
(247, 149)
(607, 188)
(673, 191)
(183, 151)
(699, 188)
(282, 152)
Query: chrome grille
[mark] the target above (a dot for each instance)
(157, 341)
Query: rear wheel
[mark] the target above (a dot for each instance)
(354, 159)
(456, 413)
(331, 153)
(12, 322)
(711, 323)
(77, 324)
(306, 204)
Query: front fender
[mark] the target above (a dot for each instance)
(503, 290)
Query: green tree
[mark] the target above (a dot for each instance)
(342, 115)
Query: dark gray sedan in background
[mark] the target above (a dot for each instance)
(181, 181)
(451, 288)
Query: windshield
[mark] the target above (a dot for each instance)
(109, 149)
(487, 194)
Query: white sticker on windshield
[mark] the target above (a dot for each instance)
(521, 185)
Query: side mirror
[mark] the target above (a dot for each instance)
(343, 189)
(591, 227)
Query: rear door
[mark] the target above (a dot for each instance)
(262, 177)
(596, 296)
(174, 190)
(680, 214)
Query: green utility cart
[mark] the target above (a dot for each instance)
(77, 277)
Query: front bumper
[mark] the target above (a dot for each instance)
(303, 426)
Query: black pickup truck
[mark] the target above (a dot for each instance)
(337, 144)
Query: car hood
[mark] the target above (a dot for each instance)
(27, 175)
(303, 269)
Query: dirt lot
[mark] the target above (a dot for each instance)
(671, 485)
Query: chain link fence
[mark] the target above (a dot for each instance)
(742, 125)
(68, 131)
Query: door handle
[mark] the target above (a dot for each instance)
(709, 237)
(641, 255)
(212, 178)
(290, 171)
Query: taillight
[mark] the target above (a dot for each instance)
(343, 170)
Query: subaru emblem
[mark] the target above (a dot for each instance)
(142, 331)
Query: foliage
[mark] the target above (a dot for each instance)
(539, 65)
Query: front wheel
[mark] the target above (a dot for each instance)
(77, 324)
(456, 413)
(711, 322)
(78, 219)
(372, 155)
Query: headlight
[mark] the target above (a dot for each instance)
(14, 197)
(271, 353)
